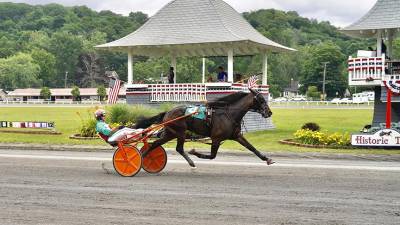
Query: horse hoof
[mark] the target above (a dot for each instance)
(270, 162)
(193, 168)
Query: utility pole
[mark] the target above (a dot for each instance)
(323, 82)
(65, 79)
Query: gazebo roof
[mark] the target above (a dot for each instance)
(383, 16)
(195, 28)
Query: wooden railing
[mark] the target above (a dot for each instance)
(366, 71)
(177, 92)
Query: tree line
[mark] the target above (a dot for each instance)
(52, 46)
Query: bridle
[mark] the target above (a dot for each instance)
(261, 105)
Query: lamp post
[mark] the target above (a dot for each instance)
(323, 82)
(65, 79)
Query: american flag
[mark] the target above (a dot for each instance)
(115, 85)
(252, 82)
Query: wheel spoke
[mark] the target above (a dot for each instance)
(133, 157)
(157, 164)
(156, 156)
(134, 166)
(126, 168)
(120, 160)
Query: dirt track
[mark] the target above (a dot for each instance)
(233, 190)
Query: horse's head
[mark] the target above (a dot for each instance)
(260, 105)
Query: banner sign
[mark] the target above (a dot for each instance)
(39, 125)
(382, 138)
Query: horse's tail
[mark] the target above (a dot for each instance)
(147, 122)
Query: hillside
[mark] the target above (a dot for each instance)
(53, 42)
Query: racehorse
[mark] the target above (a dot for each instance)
(226, 118)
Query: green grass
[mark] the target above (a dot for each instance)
(66, 119)
(287, 122)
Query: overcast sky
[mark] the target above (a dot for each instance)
(338, 12)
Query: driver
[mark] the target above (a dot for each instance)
(115, 134)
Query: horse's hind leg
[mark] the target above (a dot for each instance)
(250, 147)
(214, 150)
(180, 150)
(164, 139)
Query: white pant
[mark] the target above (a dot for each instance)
(123, 134)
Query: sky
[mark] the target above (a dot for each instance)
(339, 12)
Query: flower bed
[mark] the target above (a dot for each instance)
(308, 138)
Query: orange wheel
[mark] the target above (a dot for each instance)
(155, 161)
(127, 161)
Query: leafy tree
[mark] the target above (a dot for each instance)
(101, 92)
(313, 93)
(45, 93)
(19, 71)
(47, 64)
(76, 94)
(90, 68)
(312, 71)
(7, 47)
(66, 48)
(396, 49)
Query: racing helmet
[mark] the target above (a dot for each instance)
(99, 114)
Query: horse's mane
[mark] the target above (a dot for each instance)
(227, 100)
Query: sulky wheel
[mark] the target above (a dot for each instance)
(155, 161)
(127, 161)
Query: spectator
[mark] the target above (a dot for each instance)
(171, 75)
(222, 75)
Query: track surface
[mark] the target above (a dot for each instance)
(39, 187)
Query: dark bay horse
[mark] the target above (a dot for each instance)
(227, 116)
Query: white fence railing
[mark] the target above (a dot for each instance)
(178, 92)
(366, 71)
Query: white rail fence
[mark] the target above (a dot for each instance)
(178, 92)
(366, 70)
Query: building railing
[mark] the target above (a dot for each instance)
(177, 92)
(366, 70)
(190, 92)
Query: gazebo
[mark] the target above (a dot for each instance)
(377, 67)
(196, 28)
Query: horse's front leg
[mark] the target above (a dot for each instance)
(250, 147)
(214, 150)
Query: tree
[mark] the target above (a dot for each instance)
(67, 49)
(45, 93)
(47, 64)
(19, 71)
(76, 94)
(313, 93)
(396, 49)
(90, 69)
(101, 92)
(313, 67)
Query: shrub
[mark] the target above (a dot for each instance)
(319, 138)
(311, 126)
(88, 124)
(127, 115)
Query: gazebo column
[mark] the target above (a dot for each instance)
(379, 44)
(130, 68)
(204, 71)
(173, 64)
(265, 69)
(230, 65)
